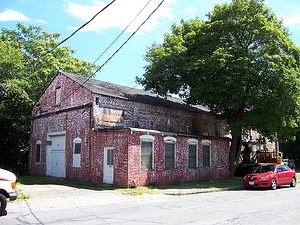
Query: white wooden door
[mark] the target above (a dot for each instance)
(57, 157)
(108, 170)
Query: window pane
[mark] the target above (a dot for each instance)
(77, 149)
(146, 155)
(206, 155)
(169, 156)
(38, 153)
(110, 157)
(192, 156)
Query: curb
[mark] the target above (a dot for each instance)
(201, 191)
(209, 190)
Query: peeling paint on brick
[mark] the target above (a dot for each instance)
(81, 116)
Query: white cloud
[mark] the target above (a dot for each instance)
(191, 10)
(120, 14)
(40, 21)
(9, 15)
(295, 19)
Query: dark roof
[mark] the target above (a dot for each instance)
(132, 94)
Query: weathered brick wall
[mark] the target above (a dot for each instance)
(48, 118)
(148, 116)
(77, 122)
(118, 140)
(219, 162)
(46, 103)
(39, 133)
(78, 126)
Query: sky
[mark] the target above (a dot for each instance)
(65, 16)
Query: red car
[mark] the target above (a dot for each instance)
(271, 176)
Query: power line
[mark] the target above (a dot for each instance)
(122, 32)
(113, 53)
(117, 38)
(33, 62)
(129, 37)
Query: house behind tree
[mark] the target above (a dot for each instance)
(90, 130)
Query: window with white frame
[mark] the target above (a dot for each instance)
(76, 152)
(193, 153)
(170, 156)
(147, 146)
(38, 152)
(206, 147)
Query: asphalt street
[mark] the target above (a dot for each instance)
(55, 204)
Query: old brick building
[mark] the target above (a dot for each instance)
(90, 130)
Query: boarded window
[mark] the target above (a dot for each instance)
(169, 155)
(146, 155)
(57, 96)
(38, 153)
(206, 155)
(192, 156)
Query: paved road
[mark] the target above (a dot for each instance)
(54, 204)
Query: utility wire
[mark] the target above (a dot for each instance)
(129, 37)
(114, 52)
(122, 32)
(118, 36)
(33, 62)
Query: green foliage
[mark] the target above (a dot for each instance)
(291, 149)
(25, 71)
(240, 63)
(132, 184)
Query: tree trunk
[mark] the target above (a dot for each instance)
(235, 150)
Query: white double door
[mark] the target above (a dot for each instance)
(56, 163)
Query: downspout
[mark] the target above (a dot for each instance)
(90, 146)
(66, 129)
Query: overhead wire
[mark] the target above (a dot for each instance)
(41, 56)
(122, 32)
(113, 53)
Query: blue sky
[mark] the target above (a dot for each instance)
(64, 16)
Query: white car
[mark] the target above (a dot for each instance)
(8, 183)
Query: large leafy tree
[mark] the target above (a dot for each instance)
(240, 63)
(25, 71)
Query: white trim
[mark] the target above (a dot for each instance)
(76, 157)
(39, 142)
(170, 140)
(108, 170)
(193, 141)
(148, 138)
(77, 140)
(206, 142)
(57, 133)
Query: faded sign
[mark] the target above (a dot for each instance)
(113, 115)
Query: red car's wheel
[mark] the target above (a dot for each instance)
(294, 182)
(273, 184)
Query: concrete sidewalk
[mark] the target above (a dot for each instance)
(200, 191)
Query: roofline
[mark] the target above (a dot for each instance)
(163, 133)
(172, 100)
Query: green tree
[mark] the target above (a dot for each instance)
(240, 63)
(25, 71)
